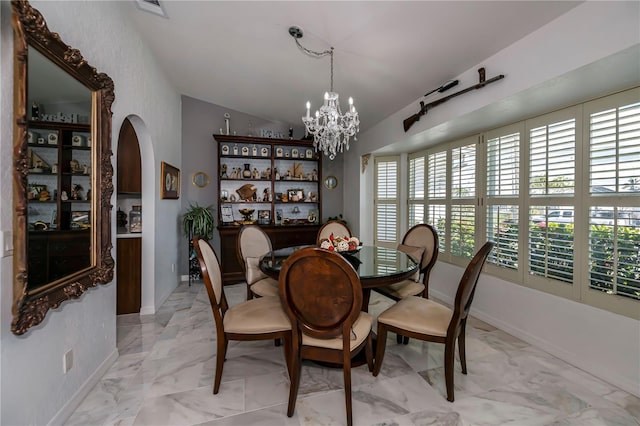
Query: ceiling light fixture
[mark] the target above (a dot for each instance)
(331, 129)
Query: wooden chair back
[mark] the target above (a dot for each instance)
(423, 235)
(252, 242)
(335, 227)
(467, 288)
(212, 277)
(320, 292)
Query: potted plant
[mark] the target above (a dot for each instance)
(198, 220)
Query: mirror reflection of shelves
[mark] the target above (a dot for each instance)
(59, 179)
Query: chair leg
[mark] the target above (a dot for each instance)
(368, 350)
(249, 292)
(399, 338)
(347, 384)
(220, 356)
(461, 347)
(405, 340)
(287, 354)
(276, 342)
(380, 348)
(449, 358)
(296, 364)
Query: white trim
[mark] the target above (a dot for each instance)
(72, 404)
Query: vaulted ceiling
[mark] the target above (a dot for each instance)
(387, 54)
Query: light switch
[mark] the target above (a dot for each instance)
(6, 243)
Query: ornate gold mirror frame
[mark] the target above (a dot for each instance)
(30, 305)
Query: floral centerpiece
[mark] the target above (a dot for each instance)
(340, 244)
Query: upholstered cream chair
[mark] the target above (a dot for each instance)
(427, 320)
(322, 295)
(421, 243)
(252, 244)
(259, 319)
(335, 227)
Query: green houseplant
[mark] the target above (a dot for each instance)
(198, 220)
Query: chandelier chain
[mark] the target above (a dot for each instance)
(315, 54)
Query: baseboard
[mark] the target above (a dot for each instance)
(574, 359)
(67, 410)
(147, 310)
(184, 278)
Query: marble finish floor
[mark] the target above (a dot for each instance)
(164, 376)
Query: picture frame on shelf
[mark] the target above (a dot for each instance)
(264, 151)
(295, 195)
(245, 151)
(170, 182)
(54, 219)
(294, 152)
(224, 149)
(264, 217)
(227, 213)
(279, 152)
(308, 153)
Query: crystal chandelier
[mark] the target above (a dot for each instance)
(331, 129)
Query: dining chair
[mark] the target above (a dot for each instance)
(336, 227)
(421, 243)
(430, 321)
(253, 243)
(258, 319)
(322, 295)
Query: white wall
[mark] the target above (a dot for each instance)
(558, 65)
(600, 342)
(33, 388)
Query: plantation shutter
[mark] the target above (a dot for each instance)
(503, 190)
(386, 201)
(462, 228)
(416, 190)
(614, 216)
(437, 195)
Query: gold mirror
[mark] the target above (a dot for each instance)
(331, 182)
(63, 173)
(200, 179)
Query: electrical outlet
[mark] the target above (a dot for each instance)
(67, 361)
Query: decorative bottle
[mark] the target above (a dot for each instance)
(246, 173)
(135, 219)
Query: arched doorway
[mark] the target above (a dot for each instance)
(129, 220)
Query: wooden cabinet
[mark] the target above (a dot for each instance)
(129, 161)
(273, 183)
(59, 181)
(128, 258)
(56, 254)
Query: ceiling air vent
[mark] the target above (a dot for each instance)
(152, 6)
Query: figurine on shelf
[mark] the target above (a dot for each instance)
(85, 169)
(314, 175)
(44, 195)
(256, 173)
(234, 174)
(277, 177)
(268, 173)
(266, 195)
(223, 173)
(75, 192)
(64, 196)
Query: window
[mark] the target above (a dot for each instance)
(462, 229)
(502, 197)
(416, 191)
(437, 195)
(613, 135)
(386, 201)
(558, 194)
(552, 150)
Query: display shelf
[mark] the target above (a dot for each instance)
(281, 166)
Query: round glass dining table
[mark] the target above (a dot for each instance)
(376, 266)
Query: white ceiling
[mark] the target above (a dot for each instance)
(387, 54)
